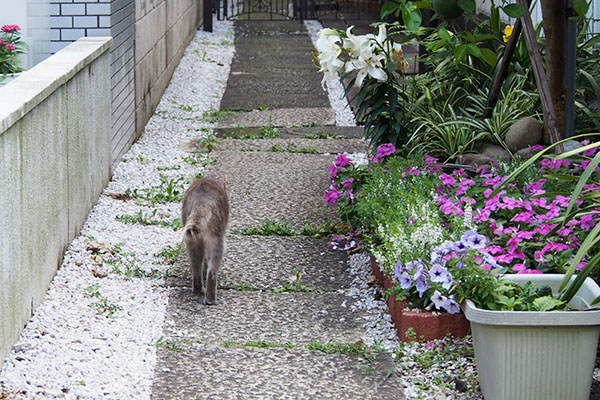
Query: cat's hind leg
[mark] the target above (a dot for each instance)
(214, 256)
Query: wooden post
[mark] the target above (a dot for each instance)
(502, 69)
(540, 77)
(555, 28)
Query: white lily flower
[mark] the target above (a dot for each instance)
(329, 48)
(353, 43)
(369, 60)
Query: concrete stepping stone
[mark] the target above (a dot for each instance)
(271, 262)
(264, 185)
(272, 374)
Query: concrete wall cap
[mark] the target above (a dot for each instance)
(22, 95)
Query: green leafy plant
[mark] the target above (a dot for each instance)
(271, 228)
(11, 46)
(148, 219)
(357, 348)
(103, 306)
(170, 254)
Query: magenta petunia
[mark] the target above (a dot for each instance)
(342, 161)
(385, 150)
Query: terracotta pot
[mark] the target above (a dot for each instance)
(426, 325)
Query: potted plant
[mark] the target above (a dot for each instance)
(546, 349)
(537, 354)
(11, 46)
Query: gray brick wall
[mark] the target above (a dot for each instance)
(72, 19)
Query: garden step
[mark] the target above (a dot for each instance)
(265, 185)
(273, 265)
(275, 373)
(296, 145)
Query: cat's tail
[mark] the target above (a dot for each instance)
(195, 226)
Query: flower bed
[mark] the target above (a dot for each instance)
(420, 324)
(441, 235)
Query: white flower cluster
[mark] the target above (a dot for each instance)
(367, 54)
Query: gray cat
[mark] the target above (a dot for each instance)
(204, 215)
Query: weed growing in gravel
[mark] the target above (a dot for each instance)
(142, 159)
(175, 346)
(169, 254)
(169, 190)
(148, 219)
(246, 149)
(259, 344)
(244, 287)
(128, 267)
(102, 305)
(213, 116)
(199, 158)
(357, 348)
(449, 357)
(264, 132)
(323, 229)
(170, 168)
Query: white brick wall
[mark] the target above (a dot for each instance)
(72, 19)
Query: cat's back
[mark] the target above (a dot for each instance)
(208, 195)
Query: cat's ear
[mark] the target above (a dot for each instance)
(224, 182)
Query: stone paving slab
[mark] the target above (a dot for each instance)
(273, 374)
(264, 185)
(269, 262)
(322, 146)
(279, 374)
(263, 48)
(243, 316)
(280, 117)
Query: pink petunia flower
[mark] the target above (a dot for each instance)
(385, 150)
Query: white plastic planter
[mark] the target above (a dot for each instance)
(536, 355)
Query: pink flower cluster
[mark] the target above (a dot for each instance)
(342, 187)
(10, 28)
(520, 223)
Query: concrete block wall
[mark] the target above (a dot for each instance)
(72, 19)
(149, 39)
(163, 29)
(55, 162)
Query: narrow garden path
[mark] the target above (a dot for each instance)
(283, 326)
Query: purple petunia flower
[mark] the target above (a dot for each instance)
(451, 305)
(437, 273)
(398, 269)
(460, 247)
(421, 282)
(438, 299)
(473, 240)
(405, 281)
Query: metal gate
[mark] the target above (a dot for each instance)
(296, 9)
